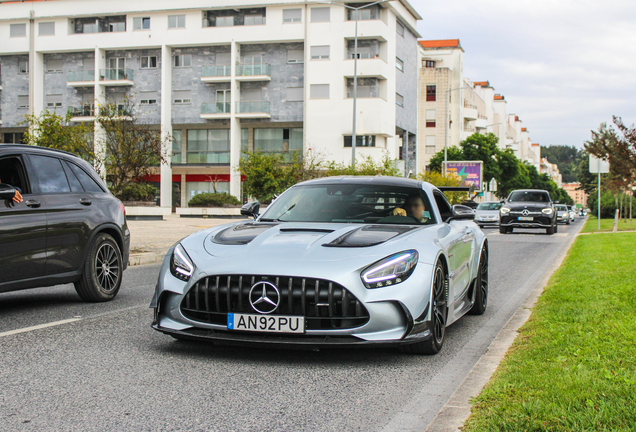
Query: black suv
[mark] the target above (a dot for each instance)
(68, 227)
(528, 208)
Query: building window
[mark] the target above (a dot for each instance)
(362, 91)
(361, 15)
(181, 97)
(319, 91)
(148, 62)
(141, 23)
(23, 67)
(176, 146)
(176, 21)
(292, 15)
(46, 29)
(117, 27)
(183, 60)
(254, 19)
(431, 93)
(23, 101)
(295, 94)
(399, 64)
(429, 63)
(224, 21)
(399, 100)
(430, 144)
(363, 52)
(400, 28)
(17, 30)
(361, 141)
(148, 98)
(320, 52)
(430, 118)
(284, 141)
(208, 146)
(210, 186)
(53, 101)
(295, 56)
(320, 14)
(54, 66)
(89, 28)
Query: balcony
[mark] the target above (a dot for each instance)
(368, 68)
(215, 110)
(116, 77)
(209, 157)
(118, 112)
(253, 72)
(216, 73)
(82, 113)
(80, 78)
(253, 109)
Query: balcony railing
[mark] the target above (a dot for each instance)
(82, 111)
(469, 105)
(115, 75)
(253, 69)
(252, 107)
(210, 157)
(80, 76)
(215, 108)
(216, 71)
(118, 111)
(469, 129)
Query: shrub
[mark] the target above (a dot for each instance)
(137, 192)
(213, 200)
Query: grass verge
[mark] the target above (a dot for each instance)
(573, 365)
(607, 225)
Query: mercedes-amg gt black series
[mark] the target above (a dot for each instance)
(528, 208)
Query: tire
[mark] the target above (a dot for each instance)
(556, 228)
(567, 223)
(439, 313)
(481, 286)
(549, 231)
(503, 230)
(510, 229)
(103, 271)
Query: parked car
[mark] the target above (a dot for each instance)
(487, 214)
(563, 215)
(571, 213)
(338, 261)
(528, 208)
(67, 229)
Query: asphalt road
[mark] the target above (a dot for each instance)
(99, 367)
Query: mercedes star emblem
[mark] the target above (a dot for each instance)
(264, 297)
(525, 212)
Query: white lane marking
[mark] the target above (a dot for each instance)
(38, 327)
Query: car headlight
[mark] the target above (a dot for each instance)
(505, 210)
(391, 270)
(181, 265)
(547, 211)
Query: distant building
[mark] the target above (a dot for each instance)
(552, 170)
(578, 196)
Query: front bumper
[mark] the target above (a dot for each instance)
(538, 222)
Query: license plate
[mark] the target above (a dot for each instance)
(266, 323)
(525, 218)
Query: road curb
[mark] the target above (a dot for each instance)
(457, 409)
(145, 258)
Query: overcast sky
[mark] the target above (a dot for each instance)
(564, 66)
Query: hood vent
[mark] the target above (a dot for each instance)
(369, 236)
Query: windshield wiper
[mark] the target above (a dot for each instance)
(270, 220)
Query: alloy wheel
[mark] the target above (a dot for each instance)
(107, 268)
(439, 305)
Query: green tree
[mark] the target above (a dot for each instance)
(366, 166)
(483, 148)
(454, 153)
(567, 158)
(512, 173)
(266, 174)
(437, 179)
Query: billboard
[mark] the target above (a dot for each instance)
(471, 172)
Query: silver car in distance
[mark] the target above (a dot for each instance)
(338, 261)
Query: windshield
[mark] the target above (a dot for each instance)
(561, 208)
(529, 196)
(489, 206)
(351, 203)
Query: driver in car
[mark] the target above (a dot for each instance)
(413, 207)
(18, 196)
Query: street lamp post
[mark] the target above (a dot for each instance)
(446, 124)
(355, 71)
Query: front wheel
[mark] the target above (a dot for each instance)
(503, 230)
(481, 286)
(434, 344)
(549, 231)
(103, 271)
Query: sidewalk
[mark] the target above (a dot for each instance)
(150, 240)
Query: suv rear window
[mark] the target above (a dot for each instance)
(529, 196)
(87, 181)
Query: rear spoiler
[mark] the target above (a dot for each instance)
(456, 188)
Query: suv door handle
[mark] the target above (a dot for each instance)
(33, 203)
(85, 201)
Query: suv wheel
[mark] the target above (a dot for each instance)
(550, 230)
(103, 270)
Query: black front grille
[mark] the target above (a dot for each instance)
(325, 305)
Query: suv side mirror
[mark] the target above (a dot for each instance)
(556, 202)
(6, 191)
(251, 209)
(461, 212)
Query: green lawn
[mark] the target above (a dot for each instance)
(573, 365)
(607, 225)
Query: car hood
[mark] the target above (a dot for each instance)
(530, 206)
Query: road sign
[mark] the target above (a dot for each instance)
(598, 166)
(493, 185)
(471, 172)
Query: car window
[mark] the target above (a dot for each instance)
(489, 206)
(443, 206)
(87, 181)
(529, 196)
(12, 173)
(76, 186)
(51, 176)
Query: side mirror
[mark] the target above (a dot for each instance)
(6, 191)
(251, 209)
(556, 202)
(461, 212)
(502, 201)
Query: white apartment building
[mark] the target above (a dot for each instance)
(219, 77)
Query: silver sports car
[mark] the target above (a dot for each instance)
(338, 261)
